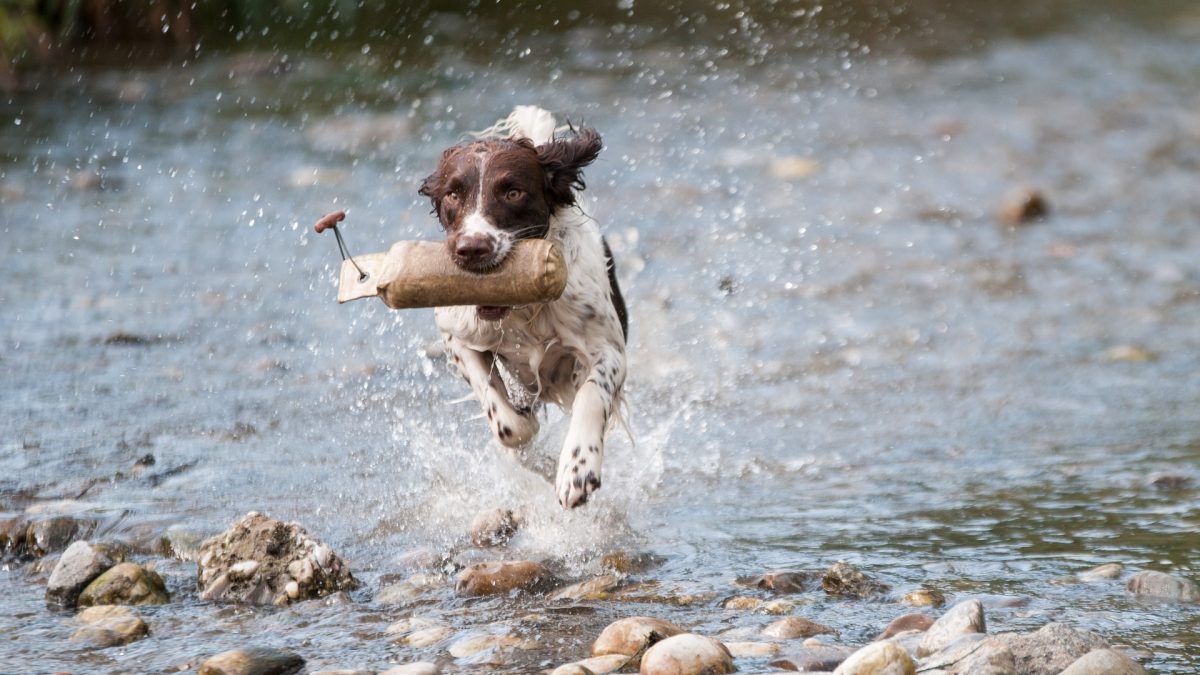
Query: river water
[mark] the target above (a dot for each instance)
(836, 352)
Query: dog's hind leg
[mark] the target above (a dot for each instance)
(511, 427)
(583, 452)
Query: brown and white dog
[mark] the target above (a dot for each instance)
(520, 181)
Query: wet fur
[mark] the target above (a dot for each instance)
(570, 352)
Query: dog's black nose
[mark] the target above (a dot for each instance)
(473, 249)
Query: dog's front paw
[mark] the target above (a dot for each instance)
(514, 429)
(578, 476)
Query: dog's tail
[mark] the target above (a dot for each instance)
(526, 121)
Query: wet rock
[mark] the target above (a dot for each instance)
(413, 624)
(427, 637)
(53, 534)
(813, 657)
(125, 584)
(470, 645)
(418, 668)
(1103, 572)
(1130, 354)
(13, 528)
(501, 577)
(988, 656)
(1162, 585)
(752, 650)
(592, 589)
(109, 626)
(777, 607)
(878, 658)
(961, 619)
(687, 654)
(414, 586)
(494, 527)
(262, 561)
(925, 597)
(1022, 206)
(1169, 481)
(79, 565)
(344, 672)
(795, 627)
(743, 602)
(956, 650)
(572, 669)
(1050, 649)
(630, 635)
(597, 665)
(423, 560)
(623, 562)
(786, 581)
(909, 640)
(906, 623)
(1104, 662)
(842, 579)
(253, 661)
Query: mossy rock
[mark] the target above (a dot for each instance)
(126, 584)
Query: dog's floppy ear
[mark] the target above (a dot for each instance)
(434, 185)
(563, 160)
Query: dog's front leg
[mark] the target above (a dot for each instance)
(583, 452)
(512, 428)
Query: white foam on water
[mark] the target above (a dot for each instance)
(457, 472)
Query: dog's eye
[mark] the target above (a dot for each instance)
(513, 195)
(452, 196)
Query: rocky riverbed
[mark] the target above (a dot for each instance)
(266, 562)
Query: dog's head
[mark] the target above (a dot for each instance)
(487, 194)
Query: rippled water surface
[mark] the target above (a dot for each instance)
(836, 352)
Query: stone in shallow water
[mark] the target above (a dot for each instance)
(743, 602)
(687, 654)
(1050, 649)
(795, 627)
(125, 584)
(624, 562)
(253, 661)
(471, 645)
(844, 580)
(256, 559)
(494, 527)
(752, 650)
(814, 656)
(965, 617)
(786, 581)
(905, 623)
(53, 534)
(501, 577)
(413, 624)
(427, 637)
(1162, 585)
(418, 668)
(591, 589)
(629, 635)
(109, 626)
(988, 657)
(596, 665)
(925, 597)
(79, 565)
(1104, 662)
(878, 658)
(1103, 572)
